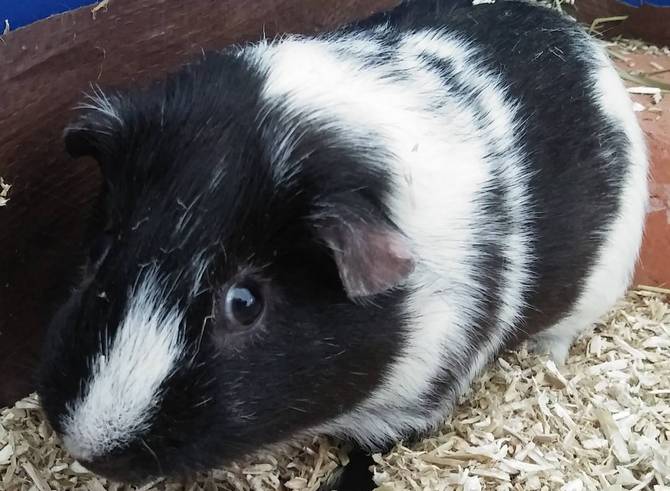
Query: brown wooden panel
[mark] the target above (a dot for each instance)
(43, 70)
(651, 24)
(654, 267)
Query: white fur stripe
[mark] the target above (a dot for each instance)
(102, 103)
(124, 389)
(438, 165)
(501, 134)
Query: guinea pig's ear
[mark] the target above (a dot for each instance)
(371, 257)
(96, 132)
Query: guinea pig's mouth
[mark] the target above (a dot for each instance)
(121, 471)
(137, 468)
(128, 471)
(134, 466)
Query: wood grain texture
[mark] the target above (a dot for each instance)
(654, 265)
(43, 70)
(652, 24)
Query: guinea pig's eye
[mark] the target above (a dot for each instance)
(244, 303)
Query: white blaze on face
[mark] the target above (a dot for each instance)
(124, 387)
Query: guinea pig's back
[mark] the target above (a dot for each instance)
(582, 157)
(582, 152)
(585, 156)
(518, 171)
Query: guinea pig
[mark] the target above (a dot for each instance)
(333, 234)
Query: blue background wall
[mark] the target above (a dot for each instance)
(22, 12)
(639, 3)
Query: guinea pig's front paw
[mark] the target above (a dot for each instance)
(355, 476)
(556, 347)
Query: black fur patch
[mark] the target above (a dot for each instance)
(315, 356)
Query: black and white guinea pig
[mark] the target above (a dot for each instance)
(335, 233)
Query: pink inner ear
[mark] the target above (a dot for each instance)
(370, 259)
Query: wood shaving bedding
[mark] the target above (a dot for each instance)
(4, 192)
(602, 421)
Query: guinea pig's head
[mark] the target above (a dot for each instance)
(224, 305)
